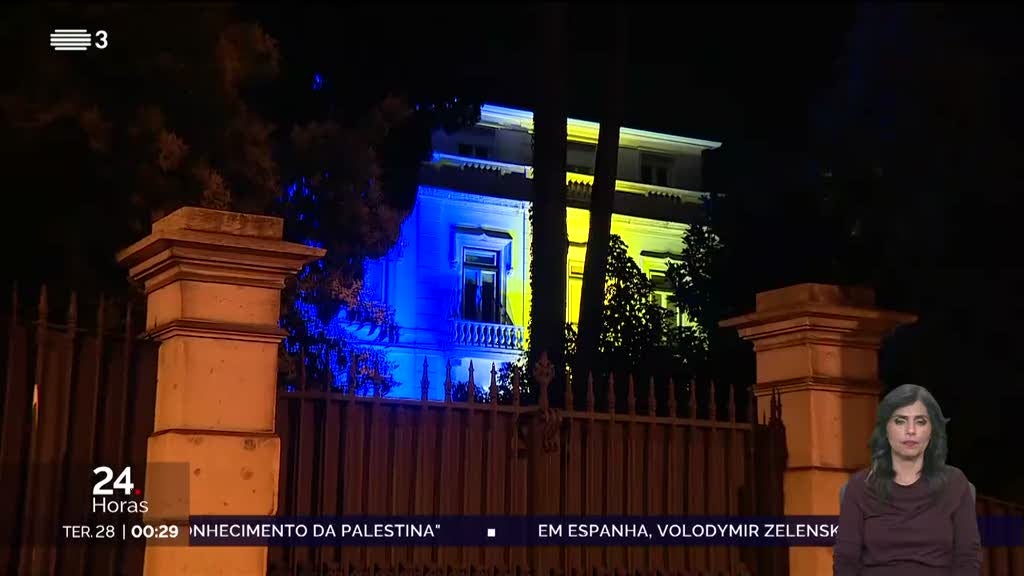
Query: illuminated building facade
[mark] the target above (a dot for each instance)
(458, 278)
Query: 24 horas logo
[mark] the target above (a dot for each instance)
(119, 497)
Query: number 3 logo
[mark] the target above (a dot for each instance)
(101, 39)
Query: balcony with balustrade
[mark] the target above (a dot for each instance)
(485, 335)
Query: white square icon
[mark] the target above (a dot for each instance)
(490, 532)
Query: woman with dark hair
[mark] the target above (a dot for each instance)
(909, 513)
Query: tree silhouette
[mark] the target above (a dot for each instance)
(107, 143)
(550, 246)
(602, 200)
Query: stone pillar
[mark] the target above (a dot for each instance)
(213, 282)
(818, 346)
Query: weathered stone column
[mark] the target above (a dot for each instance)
(818, 346)
(213, 282)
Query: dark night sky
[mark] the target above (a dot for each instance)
(695, 71)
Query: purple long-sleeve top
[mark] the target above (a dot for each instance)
(912, 534)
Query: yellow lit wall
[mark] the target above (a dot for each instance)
(640, 235)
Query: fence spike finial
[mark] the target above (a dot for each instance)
(73, 313)
(732, 403)
(128, 328)
(631, 396)
(448, 382)
(590, 392)
(44, 305)
(471, 385)
(652, 401)
(712, 401)
(570, 403)
(776, 405)
(302, 367)
(751, 405)
(671, 397)
(353, 374)
(424, 382)
(611, 392)
(693, 398)
(101, 313)
(542, 373)
(515, 385)
(493, 390)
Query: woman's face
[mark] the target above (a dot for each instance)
(909, 430)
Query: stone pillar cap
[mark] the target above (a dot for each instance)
(821, 304)
(214, 245)
(222, 222)
(790, 296)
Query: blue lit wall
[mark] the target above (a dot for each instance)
(420, 278)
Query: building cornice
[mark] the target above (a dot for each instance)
(587, 132)
(515, 191)
(571, 178)
(666, 227)
(448, 194)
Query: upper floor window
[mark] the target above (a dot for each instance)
(663, 292)
(481, 286)
(579, 158)
(482, 261)
(655, 169)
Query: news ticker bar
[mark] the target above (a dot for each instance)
(320, 531)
